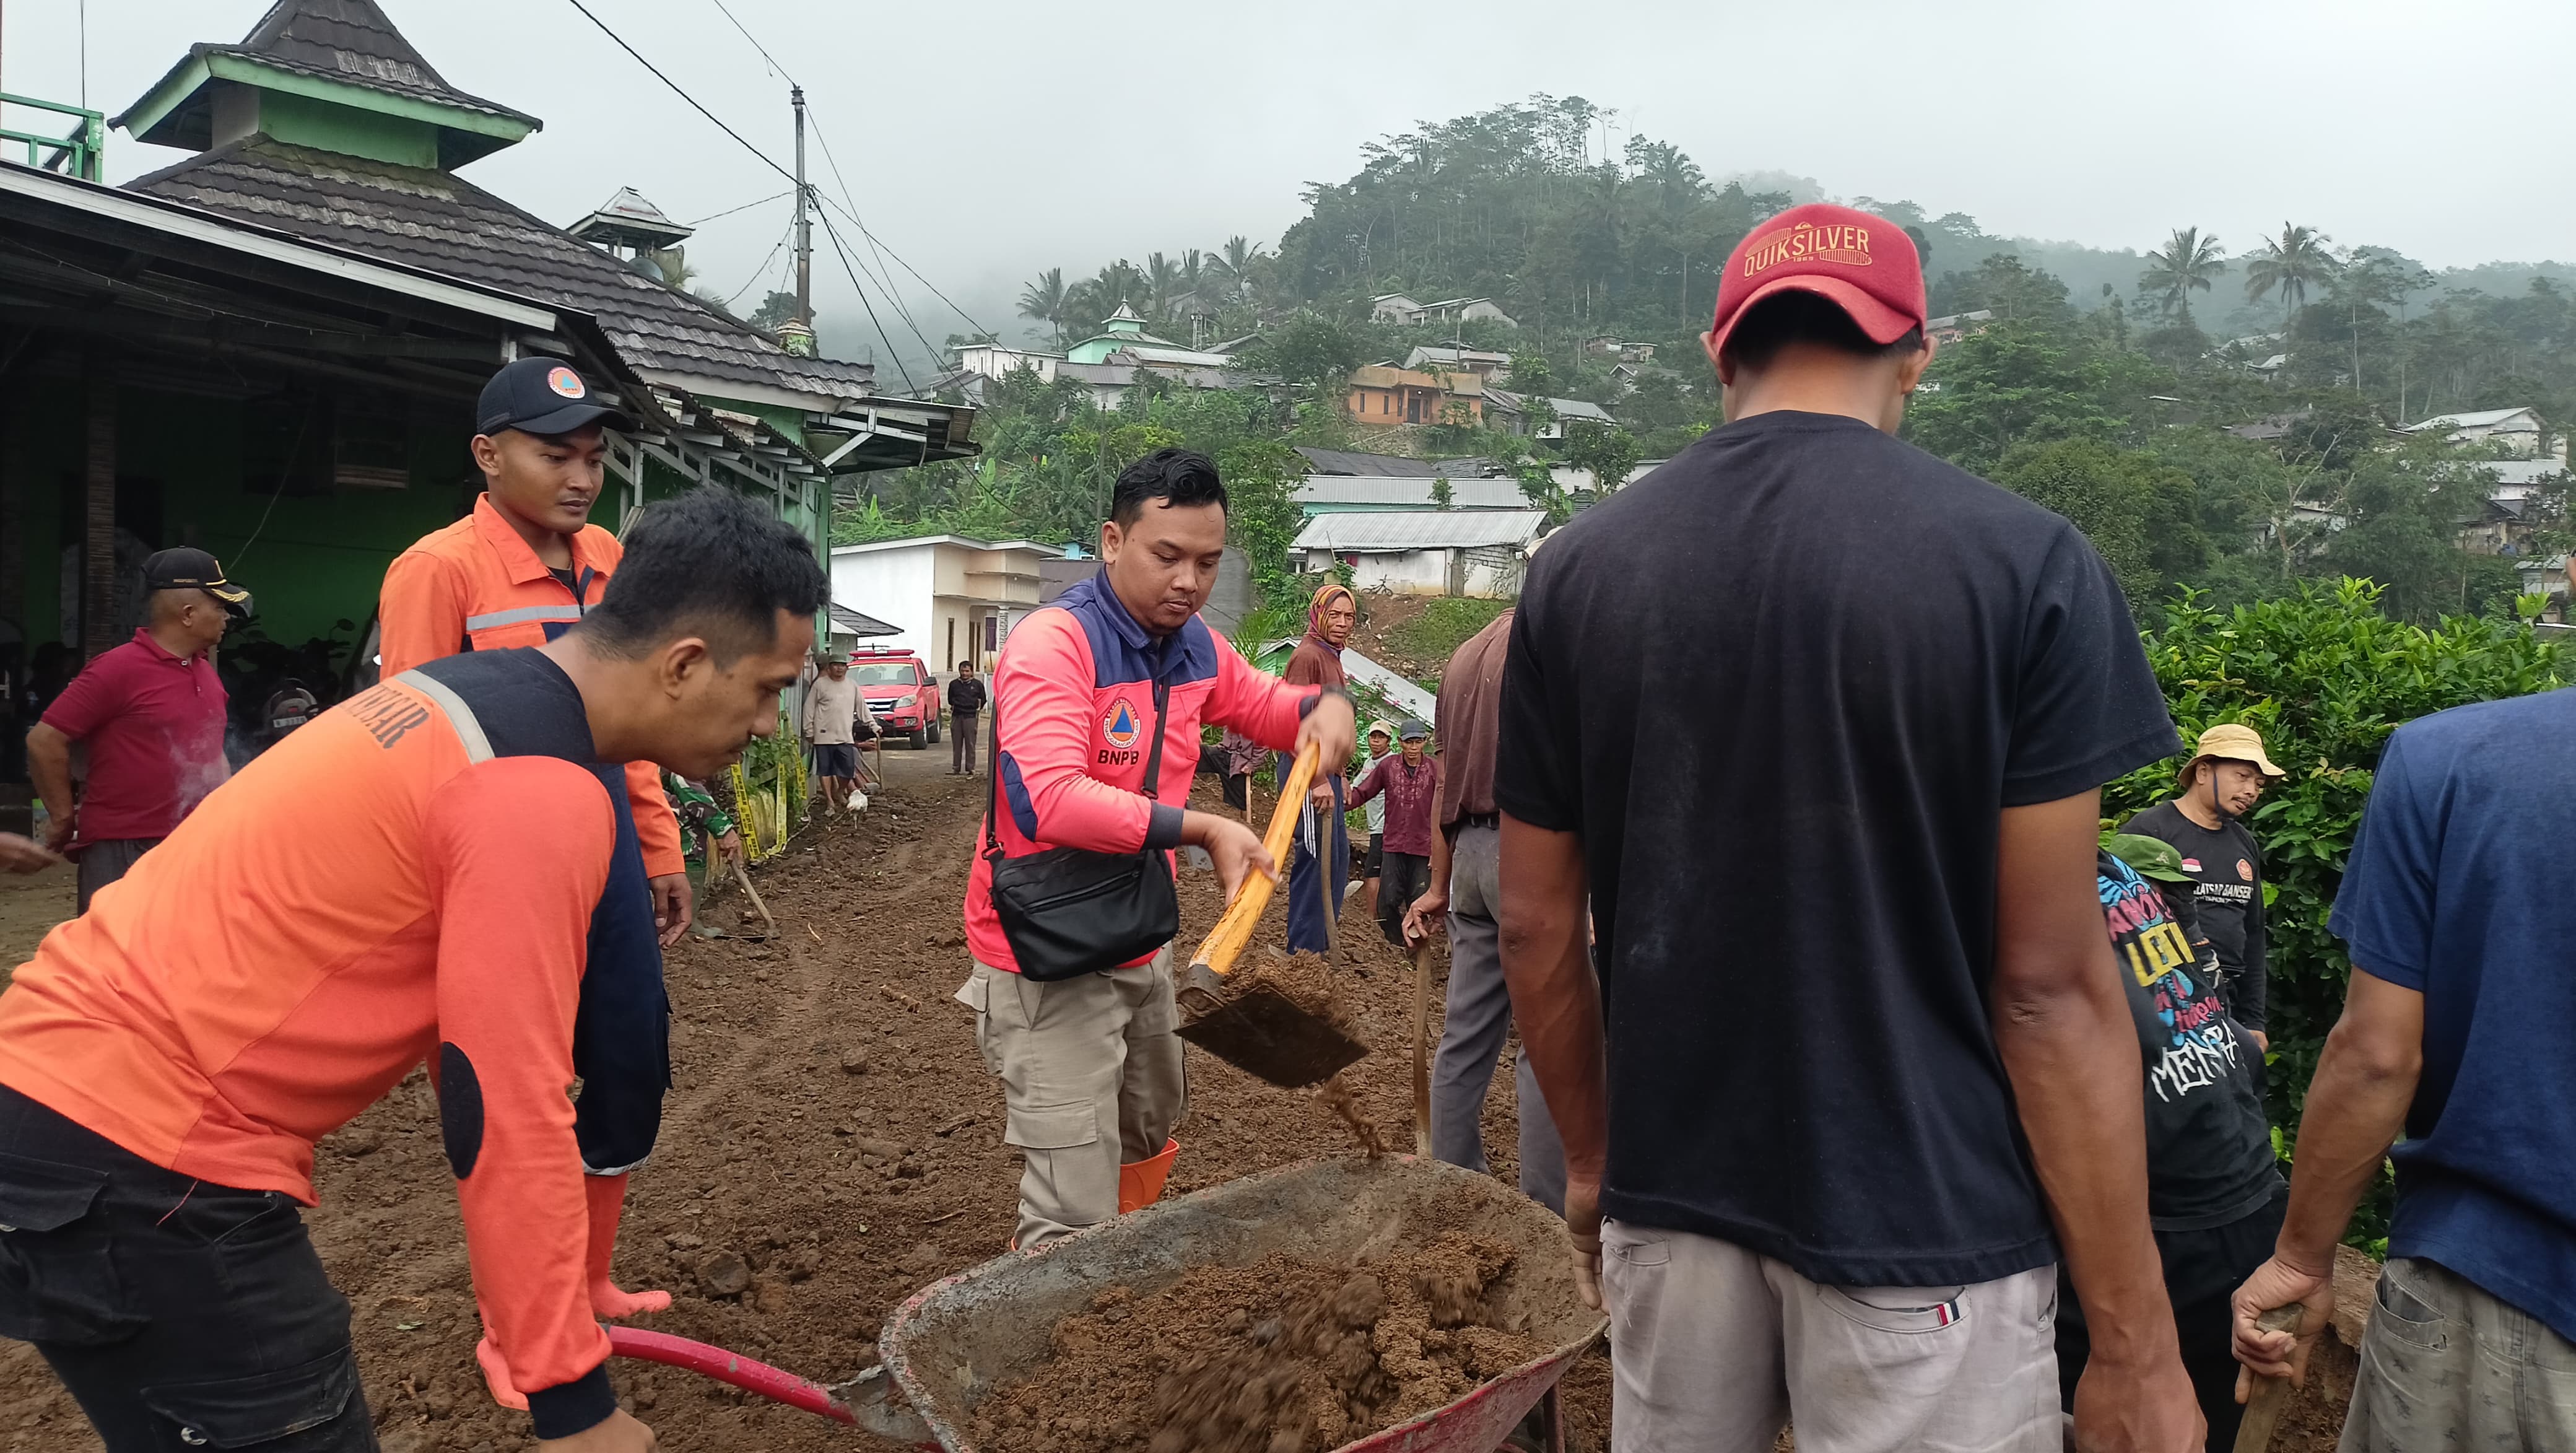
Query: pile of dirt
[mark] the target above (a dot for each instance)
(1282, 1356)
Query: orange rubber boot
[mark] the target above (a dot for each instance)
(1140, 1182)
(607, 1196)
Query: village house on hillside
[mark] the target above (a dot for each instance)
(1385, 396)
(1424, 552)
(1401, 310)
(2519, 432)
(1108, 364)
(1443, 358)
(1511, 411)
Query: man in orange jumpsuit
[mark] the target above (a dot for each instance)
(418, 875)
(521, 570)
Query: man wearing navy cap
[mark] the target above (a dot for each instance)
(520, 571)
(152, 714)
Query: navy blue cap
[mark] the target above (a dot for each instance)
(542, 396)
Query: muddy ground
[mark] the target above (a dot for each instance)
(832, 1128)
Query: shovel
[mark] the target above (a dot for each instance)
(744, 879)
(1263, 1033)
(2271, 1395)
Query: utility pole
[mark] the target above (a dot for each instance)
(804, 222)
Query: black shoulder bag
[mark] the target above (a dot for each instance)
(1071, 911)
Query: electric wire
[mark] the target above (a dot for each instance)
(763, 270)
(745, 143)
(847, 266)
(745, 207)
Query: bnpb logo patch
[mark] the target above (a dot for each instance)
(1119, 728)
(566, 382)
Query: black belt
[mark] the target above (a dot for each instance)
(1477, 819)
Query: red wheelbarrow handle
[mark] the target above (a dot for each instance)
(728, 1367)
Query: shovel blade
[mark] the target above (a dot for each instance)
(1267, 1036)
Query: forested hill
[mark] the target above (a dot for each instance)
(2219, 414)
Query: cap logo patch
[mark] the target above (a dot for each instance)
(1840, 242)
(2245, 870)
(566, 382)
(1119, 728)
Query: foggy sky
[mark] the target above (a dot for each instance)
(986, 141)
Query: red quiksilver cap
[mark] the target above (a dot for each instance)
(1865, 265)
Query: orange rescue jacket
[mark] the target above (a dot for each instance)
(476, 586)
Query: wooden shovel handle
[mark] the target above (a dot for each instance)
(2270, 1397)
(1225, 942)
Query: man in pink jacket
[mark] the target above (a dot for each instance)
(1091, 1066)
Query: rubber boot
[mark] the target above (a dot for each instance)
(607, 1197)
(1140, 1182)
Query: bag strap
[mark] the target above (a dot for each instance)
(993, 769)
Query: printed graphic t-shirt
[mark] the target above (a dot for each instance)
(2209, 1147)
(2227, 865)
(1790, 797)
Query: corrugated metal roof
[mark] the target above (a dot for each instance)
(848, 622)
(1420, 530)
(1467, 494)
(440, 222)
(1391, 466)
(2478, 420)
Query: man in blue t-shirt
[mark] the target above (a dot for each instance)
(2460, 1033)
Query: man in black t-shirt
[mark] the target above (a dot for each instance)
(2205, 822)
(1856, 1039)
(2214, 1188)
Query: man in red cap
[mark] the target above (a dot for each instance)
(1845, 1094)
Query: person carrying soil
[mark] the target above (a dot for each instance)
(836, 720)
(521, 570)
(2205, 822)
(433, 870)
(1119, 671)
(1863, 1042)
(1322, 838)
(151, 715)
(1462, 889)
(2455, 1058)
(2214, 1188)
(1410, 783)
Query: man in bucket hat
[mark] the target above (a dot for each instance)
(2205, 823)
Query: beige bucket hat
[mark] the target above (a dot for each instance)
(2233, 743)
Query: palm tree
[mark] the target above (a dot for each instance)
(1162, 281)
(1044, 300)
(1236, 262)
(2186, 265)
(2290, 262)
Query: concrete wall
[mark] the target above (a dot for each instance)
(895, 587)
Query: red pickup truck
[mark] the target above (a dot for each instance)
(900, 694)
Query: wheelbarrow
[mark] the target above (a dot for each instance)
(955, 1342)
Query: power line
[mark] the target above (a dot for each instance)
(755, 43)
(745, 207)
(677, 91)
(835, 164)
(763, 270)
(843, 253)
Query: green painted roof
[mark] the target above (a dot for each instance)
(341, 51)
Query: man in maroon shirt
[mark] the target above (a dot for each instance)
(1463, 888)
(1411, 782)
(151, 713)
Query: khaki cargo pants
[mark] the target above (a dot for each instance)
(1091, 1078)
(2447, 1364)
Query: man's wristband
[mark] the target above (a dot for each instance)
(574, 1407)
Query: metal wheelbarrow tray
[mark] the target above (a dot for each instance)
(957, 1341)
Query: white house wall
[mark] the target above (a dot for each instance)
(895, 587)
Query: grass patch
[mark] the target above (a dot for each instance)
(1443, 626)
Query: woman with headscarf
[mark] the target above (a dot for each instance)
(1318, 662)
